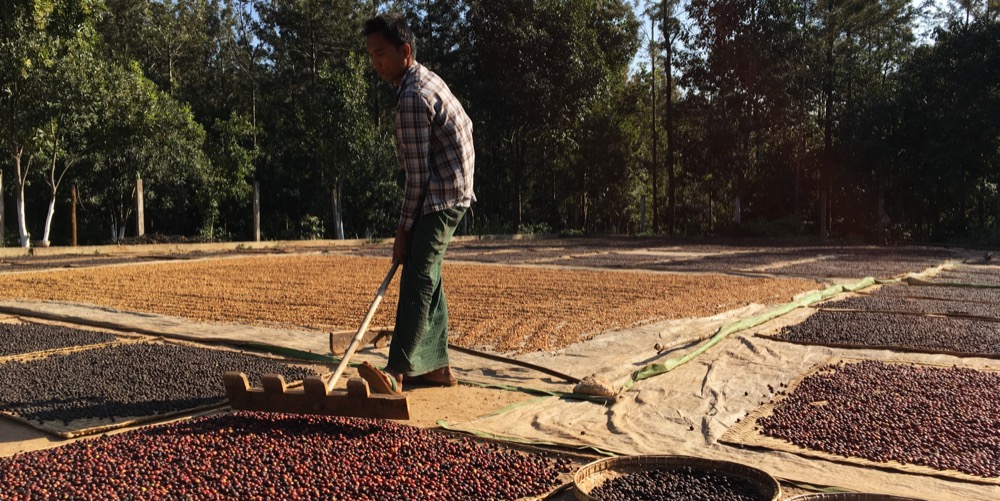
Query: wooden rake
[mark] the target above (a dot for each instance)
(317, 396)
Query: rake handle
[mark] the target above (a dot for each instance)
(363, 329)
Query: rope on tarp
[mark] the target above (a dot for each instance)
(511, 361)
(535, 391)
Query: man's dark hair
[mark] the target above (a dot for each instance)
(392, 25)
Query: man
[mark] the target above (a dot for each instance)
(435, 150)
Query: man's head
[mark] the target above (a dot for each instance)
(391, 45)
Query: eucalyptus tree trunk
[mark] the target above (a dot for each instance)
(3, 218)
(256, 211)
(669, 118)
(996, 222)
(338, 217)
(654, 167)
(21, 172)
(140, 209)
(53, 186)
(48, 217)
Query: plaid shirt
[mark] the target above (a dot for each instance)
(434, 146)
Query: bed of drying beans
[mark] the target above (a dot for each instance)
(897, 330)
(495, 307)
(16, 339)
(943, 293)
(28, 263)
(681, 482)
(968, 278)
(126, 381)
(249, 456)
(942, 418)
(902, 304)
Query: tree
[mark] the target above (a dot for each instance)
(232, 148)
(738, 72)
(318, 111)
(48, 51)
(65, 139)
(666, 12)
(146, 134)
(965, 12)
(944, 174)
(539, 66)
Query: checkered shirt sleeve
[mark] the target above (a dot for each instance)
(434, 145)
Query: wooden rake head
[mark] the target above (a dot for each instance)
(314, 397)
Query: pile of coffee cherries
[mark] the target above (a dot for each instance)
(250, 456)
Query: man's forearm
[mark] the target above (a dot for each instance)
(400, 245)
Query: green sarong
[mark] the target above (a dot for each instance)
(420, 338)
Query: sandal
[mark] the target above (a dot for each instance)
(436, 377)
(379, 381)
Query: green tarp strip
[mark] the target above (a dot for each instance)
(724, 331)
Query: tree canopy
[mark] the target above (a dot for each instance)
(858, 119)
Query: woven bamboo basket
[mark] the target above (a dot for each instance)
(850, 496)
(592, 475)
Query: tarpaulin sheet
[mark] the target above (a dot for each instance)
(688, 409)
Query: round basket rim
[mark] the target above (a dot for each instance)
(585, 477)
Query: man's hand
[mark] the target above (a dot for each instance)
(400, 245)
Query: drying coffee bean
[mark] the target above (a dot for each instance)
(942, 418)
(679, 482)
(138, 379)
(257, 456)
(541, 309)
(897, 330)
(16, 339)
(879, 302)
(864, 262)
(943, 293)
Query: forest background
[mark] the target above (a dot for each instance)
(862, 120)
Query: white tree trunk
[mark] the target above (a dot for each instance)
(140, 210)
(48, 218)
(22, 224)
(338, 220)
(22, 173)
(737, 214)
(256, 211)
